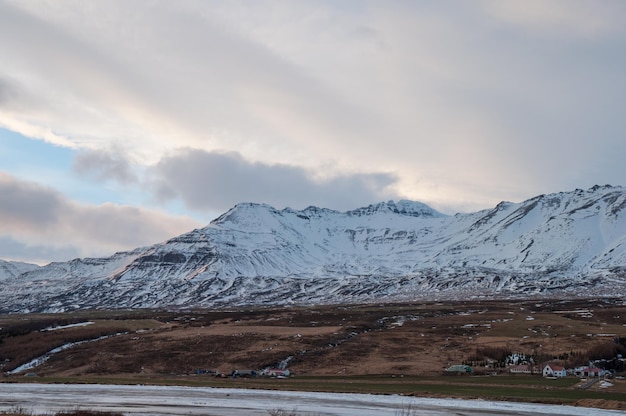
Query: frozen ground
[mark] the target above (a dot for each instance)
(171, 400)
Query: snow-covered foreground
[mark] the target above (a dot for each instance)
(172, 400)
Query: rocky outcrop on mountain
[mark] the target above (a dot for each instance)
(563, 244)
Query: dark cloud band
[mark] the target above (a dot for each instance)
(217, 181)
(37, 219)
(105, 165)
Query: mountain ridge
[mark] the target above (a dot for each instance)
(14, 268)
(566, 244)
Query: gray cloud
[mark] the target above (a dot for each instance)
(38, 253)
(466, 103)
(214, 81)
(7, 92)
(217, 181)
(25, 204)
(37, 220)
(14, 95)
(105, 165)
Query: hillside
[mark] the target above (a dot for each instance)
(14, 268)
(564, 244)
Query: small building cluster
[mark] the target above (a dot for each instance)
(550, 370)
(553, 370)
(267, 372)
(275, 372)
(459, 369)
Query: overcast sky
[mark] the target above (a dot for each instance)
(124, 123)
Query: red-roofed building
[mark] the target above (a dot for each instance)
(553, 370)
(275, 372)
(589, 372)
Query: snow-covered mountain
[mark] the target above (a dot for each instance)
(14, 268)
(564, 244)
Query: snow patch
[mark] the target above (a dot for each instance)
(54, 328)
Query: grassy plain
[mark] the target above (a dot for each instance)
(386, 348)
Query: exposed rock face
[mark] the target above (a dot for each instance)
(565, 244)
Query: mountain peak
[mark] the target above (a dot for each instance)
(402, 207)
(242, 212)
(604, 187)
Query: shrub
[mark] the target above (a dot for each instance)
(282, 412)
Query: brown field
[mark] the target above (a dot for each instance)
(395, 341)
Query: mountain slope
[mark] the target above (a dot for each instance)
(14, 268)
(570, 244)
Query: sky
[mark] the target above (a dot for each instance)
(123, 124)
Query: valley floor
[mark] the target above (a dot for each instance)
(386, 349)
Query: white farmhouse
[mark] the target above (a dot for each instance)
(552, 370)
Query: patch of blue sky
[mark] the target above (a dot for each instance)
(49, 165)
(24, 156)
